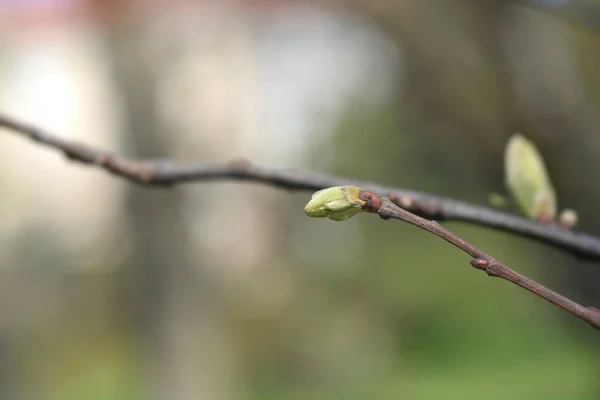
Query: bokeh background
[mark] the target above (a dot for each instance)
(225, 290)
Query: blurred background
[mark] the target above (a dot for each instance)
(225, 290)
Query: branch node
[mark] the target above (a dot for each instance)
(240, 166)
(480, 263)
(35, 135)
(384, 210)
(102, 159)
(139, 172)
(72, 154)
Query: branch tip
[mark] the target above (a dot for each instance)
(372, 201)
(102, 159)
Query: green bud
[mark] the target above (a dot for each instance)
(527, 179)
(337, 203)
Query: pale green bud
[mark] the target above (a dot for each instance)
(337, 203)
(527, 179)
(568, 218)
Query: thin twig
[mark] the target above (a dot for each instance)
(487, 263)
(159, 173)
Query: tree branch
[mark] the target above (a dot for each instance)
(487, 263)
(158, 173)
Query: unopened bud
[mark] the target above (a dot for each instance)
(337, 203)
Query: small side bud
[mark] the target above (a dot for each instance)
(479, 263)
(337, 203)
(568, 218)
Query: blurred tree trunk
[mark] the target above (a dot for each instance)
(167, 299)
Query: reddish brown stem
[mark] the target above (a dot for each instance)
(482, 260)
